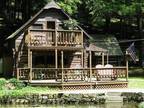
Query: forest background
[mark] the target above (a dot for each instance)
(122, 18)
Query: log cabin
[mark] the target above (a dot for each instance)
(51, 50)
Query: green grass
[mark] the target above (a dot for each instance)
(28, 90)
(136, 82)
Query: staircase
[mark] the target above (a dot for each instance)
(114, 97)
(23, 57)
(76, 60)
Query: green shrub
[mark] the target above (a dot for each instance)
(2, 83)
(141, 105)
(18, 84)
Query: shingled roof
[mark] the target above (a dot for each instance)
(108, 42)
(93, 47)
(52, 4)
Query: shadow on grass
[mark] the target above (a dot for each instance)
(136, 72)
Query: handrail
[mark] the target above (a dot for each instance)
(46, 30)
(50, 37)
(81, 74)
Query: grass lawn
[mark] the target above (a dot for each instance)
(136, 82)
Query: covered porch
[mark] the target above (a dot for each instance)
(83, 76)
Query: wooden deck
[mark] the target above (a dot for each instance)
(81, 85)
(67, 78)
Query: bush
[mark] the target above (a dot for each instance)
(141, 105)
(18, 84)
(2, 83)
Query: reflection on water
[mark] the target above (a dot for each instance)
(108, 105)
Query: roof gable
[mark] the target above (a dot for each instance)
(50, 5)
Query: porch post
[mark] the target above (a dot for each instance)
(82, 37)
(30, 64)
(90, 63)
(82, 58)
(107, 57)
(82, 64)
(56, 63)
(18, 73)
(103, 58)
(62, 64)
(127, 66)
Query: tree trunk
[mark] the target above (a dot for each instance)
(107, 24)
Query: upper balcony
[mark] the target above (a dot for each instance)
(55, 38)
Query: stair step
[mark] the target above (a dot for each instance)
(114, 94)
(114, 99)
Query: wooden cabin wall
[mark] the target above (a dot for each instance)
(53, 14)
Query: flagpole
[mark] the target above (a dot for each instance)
(127, 66)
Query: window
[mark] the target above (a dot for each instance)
(51, 25)
(37, 26)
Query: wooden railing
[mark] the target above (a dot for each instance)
(55, 37)
(23, 73)
(69, 38)
(68, 74)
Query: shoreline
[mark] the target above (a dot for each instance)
(99, 96)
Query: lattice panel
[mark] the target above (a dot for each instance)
(99, 86)
(76, 87)
(109, 86)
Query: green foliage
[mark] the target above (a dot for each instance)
(2, 83)
(69, 6)
(102, 9)
(70, 24)
(18, 84)
(141, 105)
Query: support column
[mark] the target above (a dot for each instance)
(62, 66)
(56, 35)
(82, 58)
(107, 58)
(90, 65)
(56, 63)
(82, 40)
(127, 66)
(82, 64)
(30, 64)
(103, 58)
(18, 74)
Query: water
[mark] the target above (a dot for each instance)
(108, 105)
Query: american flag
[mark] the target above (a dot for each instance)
(131, 51)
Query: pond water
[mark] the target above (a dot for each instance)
(108, 105)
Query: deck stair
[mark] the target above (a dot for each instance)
(23, 56)
(114, 97)
(75, 60)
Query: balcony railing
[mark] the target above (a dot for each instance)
(55, 38)
(69, 74)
